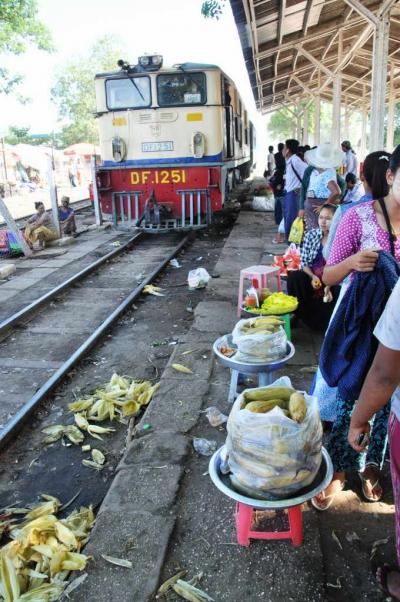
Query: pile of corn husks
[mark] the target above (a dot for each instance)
(118, 399)
(35, 564)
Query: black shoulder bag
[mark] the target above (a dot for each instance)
(296, 174)
(392, 237)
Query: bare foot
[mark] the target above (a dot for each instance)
(324, 500)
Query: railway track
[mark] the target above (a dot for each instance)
(41, 343)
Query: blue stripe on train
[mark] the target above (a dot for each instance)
(172, 160)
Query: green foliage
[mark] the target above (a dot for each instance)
(18, 135)
(282, 125)
(19, 29)
(212, 9)
(74, 92)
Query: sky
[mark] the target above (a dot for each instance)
(174, 28)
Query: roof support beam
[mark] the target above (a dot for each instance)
(280, 36)
(391, 112)
(379, 77)
(363, 11)
(308, 38)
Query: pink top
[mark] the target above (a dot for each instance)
(359, 231)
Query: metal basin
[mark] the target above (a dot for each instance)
(249, 368)
(223, 483)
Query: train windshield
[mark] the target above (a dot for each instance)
(128, 93)
(179, 89)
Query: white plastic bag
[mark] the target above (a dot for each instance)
(263, 203)
(258, 348)
(270, 455)
(198, 278)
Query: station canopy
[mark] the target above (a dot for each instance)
(293, 50)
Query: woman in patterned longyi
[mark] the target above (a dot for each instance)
(365, 229)
(315, 301)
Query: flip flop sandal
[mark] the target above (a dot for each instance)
(330, 499)
(383, 577)
(367, 497)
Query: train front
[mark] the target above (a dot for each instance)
(161, 145)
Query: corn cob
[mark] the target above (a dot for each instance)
(297, 407)
(267, 393)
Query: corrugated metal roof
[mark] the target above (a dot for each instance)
(281, 71)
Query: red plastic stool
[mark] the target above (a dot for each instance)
(261, 273)
(244, 517)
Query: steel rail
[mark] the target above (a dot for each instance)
(32, 307)
(16, 423)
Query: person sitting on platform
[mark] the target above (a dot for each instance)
(354, 189)
(315, 300)
(66, 216)
(40, 227)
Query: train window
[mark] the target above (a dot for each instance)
(179, 89)
(128, 93)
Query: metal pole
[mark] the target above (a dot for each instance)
(391, 112)
(53, 195)
(317, 120)
(96, 200)
(379, 77)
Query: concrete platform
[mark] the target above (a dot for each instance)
(197, 522)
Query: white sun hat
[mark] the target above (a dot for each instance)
(324, 156)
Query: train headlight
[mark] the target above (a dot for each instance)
(144, 61)
(198, 145)
(118, 149)
(151, 62)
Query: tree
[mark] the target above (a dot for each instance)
(282, 125)
(212, 9)
(74, 92)
(19, 28)
(17, 135)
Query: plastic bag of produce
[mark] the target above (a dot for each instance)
(270, 455)
(259, 340)
(263, 203)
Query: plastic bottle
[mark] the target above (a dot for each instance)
(252, 298)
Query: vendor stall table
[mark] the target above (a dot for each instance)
(246, 505)
(261, 273)
(264, 370)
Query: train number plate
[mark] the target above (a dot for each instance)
(154, 147)
(158, 176)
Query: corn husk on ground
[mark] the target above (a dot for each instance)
(35, 563)
(118, 399)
